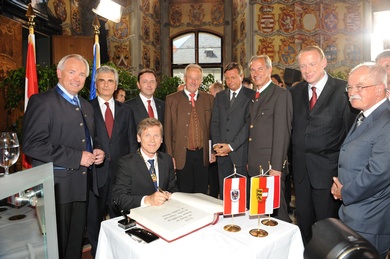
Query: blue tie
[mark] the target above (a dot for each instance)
(76, 101)
(152, 172)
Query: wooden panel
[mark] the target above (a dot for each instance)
(64, 45)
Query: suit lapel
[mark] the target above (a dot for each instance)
(226, 98)
(144, 172)
(162, 168)
(141, 107)
(366, 124)
(118, 115)
(326, 92)
(257, 104)
(240, 99)
(159, 108)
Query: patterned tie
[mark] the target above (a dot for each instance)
(359, 121)
(76, 101)
(257, 95)
(150, 110)
(313, 99)
(152, 172)
(192, 99)
(109, 119)
(233, 99)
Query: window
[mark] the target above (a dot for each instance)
(380, 39)
(202, 48)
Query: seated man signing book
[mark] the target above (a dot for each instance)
(145, 177)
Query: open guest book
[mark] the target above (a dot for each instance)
(183, 214)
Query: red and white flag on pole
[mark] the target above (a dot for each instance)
(234, 195)
(276, 192)
(31, 86)
(262, 194)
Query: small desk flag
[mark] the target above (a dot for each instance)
(234, 196)
(263, 191)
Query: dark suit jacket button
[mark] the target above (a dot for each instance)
(307, 135)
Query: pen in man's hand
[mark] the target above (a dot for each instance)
(160, 190)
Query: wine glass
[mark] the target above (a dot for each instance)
(9, 150)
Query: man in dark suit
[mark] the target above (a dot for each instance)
(214, 88)
(117, 141)
(187, 131)
(145, 177)
(145, 104)
(317, 134)
(229, 124)
(270, 127)
(363, 183)
(59, 127)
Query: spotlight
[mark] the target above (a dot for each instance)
(109, 10)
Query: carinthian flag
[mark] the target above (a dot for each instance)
(276, 192)
(96, 65)
(31, 85)
(262, 194)
(234, 195)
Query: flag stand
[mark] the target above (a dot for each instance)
(269, 222)
(232, 227)
(235, 196)
(257, 232)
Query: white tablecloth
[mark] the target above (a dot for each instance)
(20, 238)
(283, 241)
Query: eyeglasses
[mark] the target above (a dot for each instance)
(358, 88)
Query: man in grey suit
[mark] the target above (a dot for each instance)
(363, 182)
(145, 177)
(145, 104)
(116, 142)
(322, 117)
(229, 124)
(59, 127)
(270, 127)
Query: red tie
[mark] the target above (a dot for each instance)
(257, 95)
(192, 100)
(150, 110)
(109, 119)
(313, 99)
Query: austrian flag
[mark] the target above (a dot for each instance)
(234, 196)
(264, 195)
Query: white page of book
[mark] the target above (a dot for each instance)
(181, 215)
